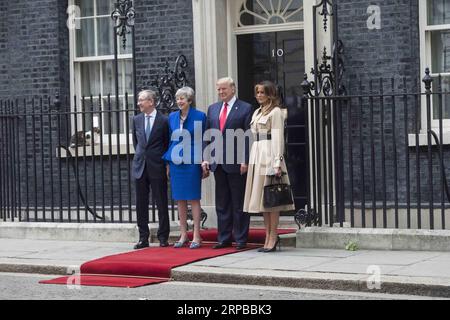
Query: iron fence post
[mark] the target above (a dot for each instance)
(427, 80)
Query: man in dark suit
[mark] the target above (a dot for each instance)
(150, 140)
(229, 114)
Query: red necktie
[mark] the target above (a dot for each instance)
(223, 116)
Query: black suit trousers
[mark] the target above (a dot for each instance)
(159, 193)
(231, 221)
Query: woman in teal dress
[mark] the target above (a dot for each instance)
(184, 158)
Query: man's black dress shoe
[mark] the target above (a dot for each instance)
(221, 245)
(241, 246)
(164, 243)
(141, 245)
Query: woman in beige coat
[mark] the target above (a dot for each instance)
(266, 160)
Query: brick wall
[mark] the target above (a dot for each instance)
(35, 52)
(34, 62)
(3, 48)
(164, 30)
(392, 54)
(33, 46)
(391, 51)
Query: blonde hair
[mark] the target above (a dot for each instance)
(227, 80)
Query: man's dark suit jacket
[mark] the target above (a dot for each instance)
(150, 153)
(238, 118)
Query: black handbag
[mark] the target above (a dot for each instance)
(277, 194)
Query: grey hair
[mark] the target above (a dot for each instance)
(147, 94)
(227, 80)
(187, 92)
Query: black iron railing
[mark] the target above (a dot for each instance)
(75, 166)
(376, 148)
(66, 166)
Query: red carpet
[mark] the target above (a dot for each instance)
(104, 281)
(150, 265)
(256, 236)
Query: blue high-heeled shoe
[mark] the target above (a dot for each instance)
(194, 245)
(180, 244)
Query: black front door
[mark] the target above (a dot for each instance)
(279, 57)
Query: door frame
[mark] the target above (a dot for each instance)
(234, 6)
(215, 52)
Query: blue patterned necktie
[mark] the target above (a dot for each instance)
(148, 128)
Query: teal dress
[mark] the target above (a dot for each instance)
(184, 155)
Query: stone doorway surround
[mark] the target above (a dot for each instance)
(215, 54)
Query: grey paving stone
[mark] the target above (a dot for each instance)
(443, 256)
(390, 257)
(277, 261)
(352, 268)
(220, 261)
(425, 269)
(308, 252)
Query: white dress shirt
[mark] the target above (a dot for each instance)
(152, 119)
(230, 106)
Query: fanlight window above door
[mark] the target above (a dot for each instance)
(270, 12)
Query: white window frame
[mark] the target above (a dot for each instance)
(426, 62)
(75, 78)
(261, 28)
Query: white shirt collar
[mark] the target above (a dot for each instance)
(231, 102)
(153, 114)
(230, 105)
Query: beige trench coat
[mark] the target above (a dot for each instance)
(265, 156)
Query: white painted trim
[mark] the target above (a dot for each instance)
(308, 34)
(233, 11)
(269, 28)
(75, 75)
(237, 26)
(233, 8)
(205, 52)
(97, 150)
(211, 63)
(96, 16)
(209, 66)
(309, 63)
(232, 44)
(71, 64)
(324, 39)
(206, 69)
(443, 74)
(423, 138)
(103, 58)
(424, 58)
(426, 62)
(436, 27)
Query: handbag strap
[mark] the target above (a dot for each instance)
(278, 179)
